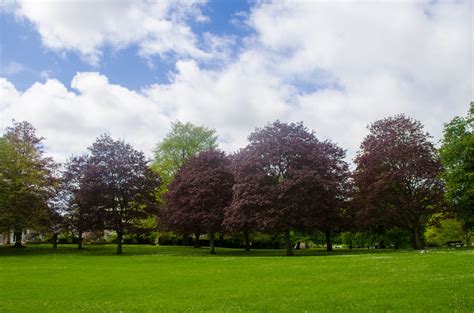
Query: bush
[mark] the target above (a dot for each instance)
(447, 229)
(258, 241)
(65, 238)
(168, 239)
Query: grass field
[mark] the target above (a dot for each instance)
(149, 278)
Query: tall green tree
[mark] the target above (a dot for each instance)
(457, 157)
(27, 180)
(182, 142)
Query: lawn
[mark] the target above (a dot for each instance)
(149, 278)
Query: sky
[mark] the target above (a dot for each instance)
(79, 68)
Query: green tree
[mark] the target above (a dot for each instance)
(457, 157)
(10, 168)
(182, 142)
(27, 180)
(444, 230)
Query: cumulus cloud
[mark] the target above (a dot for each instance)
(157, 27)
(366, 60)
(70, 121)
(335, 65)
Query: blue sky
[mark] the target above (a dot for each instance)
(24, 60)
(80, 68)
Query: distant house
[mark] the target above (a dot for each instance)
(9, 238)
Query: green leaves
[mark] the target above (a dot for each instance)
(182, 142)
(27, 179)
(457, 157)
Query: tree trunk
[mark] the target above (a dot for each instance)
(247, 240)
(54, 240)
(417, 241)
(185, 240)
(18, 237)
(119, 242)
(327, 233)
(466, 234)
(467, 239)
(298, 245)
(6, 239)
(289, 248)
(212, 242)
(79, 240)
(197, 243)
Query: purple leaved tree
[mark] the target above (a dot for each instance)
(287, 180)
(397, 177)
(197, 196)
(119, 186)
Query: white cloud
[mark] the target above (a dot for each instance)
(335, 65)
(70, 122)
(157, 27)
(384, 58)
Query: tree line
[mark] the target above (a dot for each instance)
(286, 180)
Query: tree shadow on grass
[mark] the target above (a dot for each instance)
(179, 251)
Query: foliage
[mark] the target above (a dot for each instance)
(183, 141)
(119, 186)
(79, 214)
(444, 230)
(27, 179)
(393, 238)
(198, 195)
(397, 177)
(258, 241)
(457, 157)
(286, 179)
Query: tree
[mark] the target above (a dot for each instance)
(198, 195)
(287, 180)
(183, 141)
(27, 179)
(323, 186)
(78, 207)
(119, 186)
(250, 187)
(457, 157)
(54, 222)
(443, 230)
(397, 176)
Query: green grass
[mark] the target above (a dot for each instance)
(149, 278)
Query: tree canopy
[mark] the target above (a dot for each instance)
(80, 215)
(457, 157)
(286, 179)
(198, 195)
(118, 184)
(27, 179)
(183, 141)
(397, 176)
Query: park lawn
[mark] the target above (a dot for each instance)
(151, 278)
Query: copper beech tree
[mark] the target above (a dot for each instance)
(197, 196)
(287, 180)
(118, 186)
(397, 177)
(80, 214)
